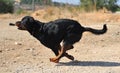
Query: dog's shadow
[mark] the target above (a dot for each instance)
(89, 63)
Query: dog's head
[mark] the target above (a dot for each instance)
(25, 23)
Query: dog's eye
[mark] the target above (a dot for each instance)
(23, 23)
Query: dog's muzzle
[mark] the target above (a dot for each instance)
(20, 26)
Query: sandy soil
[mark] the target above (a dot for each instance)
(21, 53)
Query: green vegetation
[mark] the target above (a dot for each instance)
(41, 2)
(90, 5)
(6, 6)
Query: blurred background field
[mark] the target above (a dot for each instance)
(84, 11)
(22, 53)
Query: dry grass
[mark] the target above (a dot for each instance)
(52, 13)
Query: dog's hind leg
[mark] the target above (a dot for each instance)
(69, 56)
(62, 52)
(66, 54)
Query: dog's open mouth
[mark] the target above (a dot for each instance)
(20, 26)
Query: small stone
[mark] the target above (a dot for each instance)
(18, 43)
(12, 49)
(30, 49)
(76, 50)
(0, 51)
(7, 49)
(41, 62)
(118, 33)
(14, 61)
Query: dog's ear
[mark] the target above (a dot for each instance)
(31, 19)
(28, 19)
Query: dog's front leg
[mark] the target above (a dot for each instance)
(61, 52)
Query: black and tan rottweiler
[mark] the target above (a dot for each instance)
(51, 34)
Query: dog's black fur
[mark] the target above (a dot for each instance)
(51, 34)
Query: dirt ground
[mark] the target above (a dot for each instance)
(22, 53)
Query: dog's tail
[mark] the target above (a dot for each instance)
(96, 31)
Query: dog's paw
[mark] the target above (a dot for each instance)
(54, 60)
